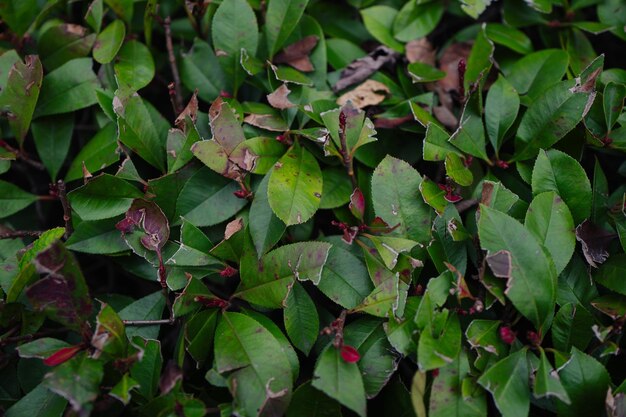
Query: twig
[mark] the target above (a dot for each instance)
(14, 234)
(466, 204)
(26, 337)
(23, 156)
(67, 209)
(147, 322)
(176, 95)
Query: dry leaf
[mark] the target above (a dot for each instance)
(362, 68)
(278, 99)
(420, 50)
(446, 117)
(370, 93)
(297, 54)
(191, 110)
(267, 122)
(449, 63)
(233, 227)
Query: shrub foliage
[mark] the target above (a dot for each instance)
(312, 208)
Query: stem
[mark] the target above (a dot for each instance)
(26, 337)
(147, 322)
(22, 155)
(67, 209)
(177, 99)
(14, 234)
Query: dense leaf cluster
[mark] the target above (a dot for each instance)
(312, 208)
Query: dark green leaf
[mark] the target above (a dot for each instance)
(109, 42)
(103, 197)
(53, 136)
(301, 319)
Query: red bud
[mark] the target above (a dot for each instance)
(350, 354)
(228, 272)
(62, 355)
(507, 335)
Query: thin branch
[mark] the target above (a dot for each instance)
(147, 322)
(466, 204)
(23, 156)
(176, 94)
(15, 234)
(67, 209)
(32, 336)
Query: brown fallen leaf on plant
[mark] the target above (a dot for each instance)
(360, 69)
(297, 54)
(370, 93)
(190, 110)
(278, 99)
(448, 86)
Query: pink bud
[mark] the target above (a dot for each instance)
(350, 354)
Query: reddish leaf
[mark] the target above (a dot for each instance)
(357, 204)
(350, 354)
(420, 50)
(62, 355)
(278, 99)
(595, 242)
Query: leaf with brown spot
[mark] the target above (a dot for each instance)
(270, 122)
(297, 54)
(191, 111)
(370, 93)
(595, 242)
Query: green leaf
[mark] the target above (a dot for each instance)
(377, 363)
(7, 60)
(200, 69)
(61, 43)
(547, 382)
(134, 66)
(416, 20)
(470, 135)
(281, 18)
(551, 116)
(97, 154)
(336, 189)
(53, 136)
(207, 199)
(508, 36)
(200, 334)
(19, 14)
(301, 319)
(78, 381)
(436, 145)
(147, 370)
(501, 110)
(395, 186)
(572, 327)
(340, 380)
(19, 97)
(41, 348)
(613, 102)
(484, 334)
(402, 332)
(234, 28)
(93, 17)
(149, 307)
(497, 196)
(266, 283)
(344, 277)
(611, 274)
(295, 186)
(109, 337)
(310, 402)
(534, 73)
(433, 195)
(531, 275)
(265, 228)
(507, 381)
(550, 221)
(121, 390)
(559, 172)
(259, 373)
(446, 395)
(13, 199)
(109, 42)
(97, 237)
(586, 382)
(379, 21)
(40, 402)
(68, 88)
(359, 130)
(437, 348)
(457, 171)
(103, 197)
(122, 8)
(424, 73)
(474, 8)
(479, 60)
